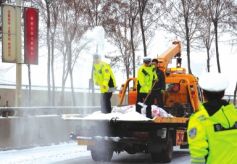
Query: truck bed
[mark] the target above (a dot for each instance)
(103, 136)
(123, 128)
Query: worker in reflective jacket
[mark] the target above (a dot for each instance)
(146, 77)
(212, 131)
(104, 78)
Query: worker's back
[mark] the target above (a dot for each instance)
(222, 124)
(212, 130)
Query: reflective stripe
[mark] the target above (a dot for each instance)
(197, 160)
(219, 127)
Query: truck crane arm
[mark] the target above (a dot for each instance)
(166, 57)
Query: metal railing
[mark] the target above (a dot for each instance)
(47, 110)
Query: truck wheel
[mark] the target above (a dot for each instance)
(165, 154)
(101, 155)
(102, 151)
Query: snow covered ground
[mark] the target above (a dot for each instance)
(72, 153)
(44, 155)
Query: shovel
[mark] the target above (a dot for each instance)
(142, 104)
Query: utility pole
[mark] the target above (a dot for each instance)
(19, 56)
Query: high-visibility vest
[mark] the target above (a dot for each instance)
(213, 139)
(103, 76)
(146, 76)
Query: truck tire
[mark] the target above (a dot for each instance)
(165, 153)
(101, 155)
(102, 151)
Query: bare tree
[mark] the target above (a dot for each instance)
(49, 12)
(181, 19)
(54, 25)
(73, 27)
(120, 24)
(206, 32)
(93, 12)
(220, 11)
(142, 6)
(149, 14)
(133, 12)
(233, 24)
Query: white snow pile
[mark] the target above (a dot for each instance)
(127, 113)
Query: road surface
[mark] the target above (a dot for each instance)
(179, 157)
(71, 153)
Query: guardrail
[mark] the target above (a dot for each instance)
(59, 110)
(47, 110)
(39, 97)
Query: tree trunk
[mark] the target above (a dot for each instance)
(208, 59)
(141, 10)
(143, 37)
(217, 47)
(63, 80)
(52, 70)
(188, 44)
(127, 69)
(49, 48)
(132, 23)
(133, 49)
(72, 89)
(70, 72)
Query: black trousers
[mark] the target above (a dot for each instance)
(140, 98)
(157, 98)
(105, 102)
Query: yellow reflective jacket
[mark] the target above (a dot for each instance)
(146, 76)
(213, 139)
(104, 77)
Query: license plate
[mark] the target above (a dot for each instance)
(179, 137)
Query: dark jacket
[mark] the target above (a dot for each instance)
(160, 85)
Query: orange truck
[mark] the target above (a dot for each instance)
(156, 136)
(181, 96)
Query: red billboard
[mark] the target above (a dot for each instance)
(31, 19)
